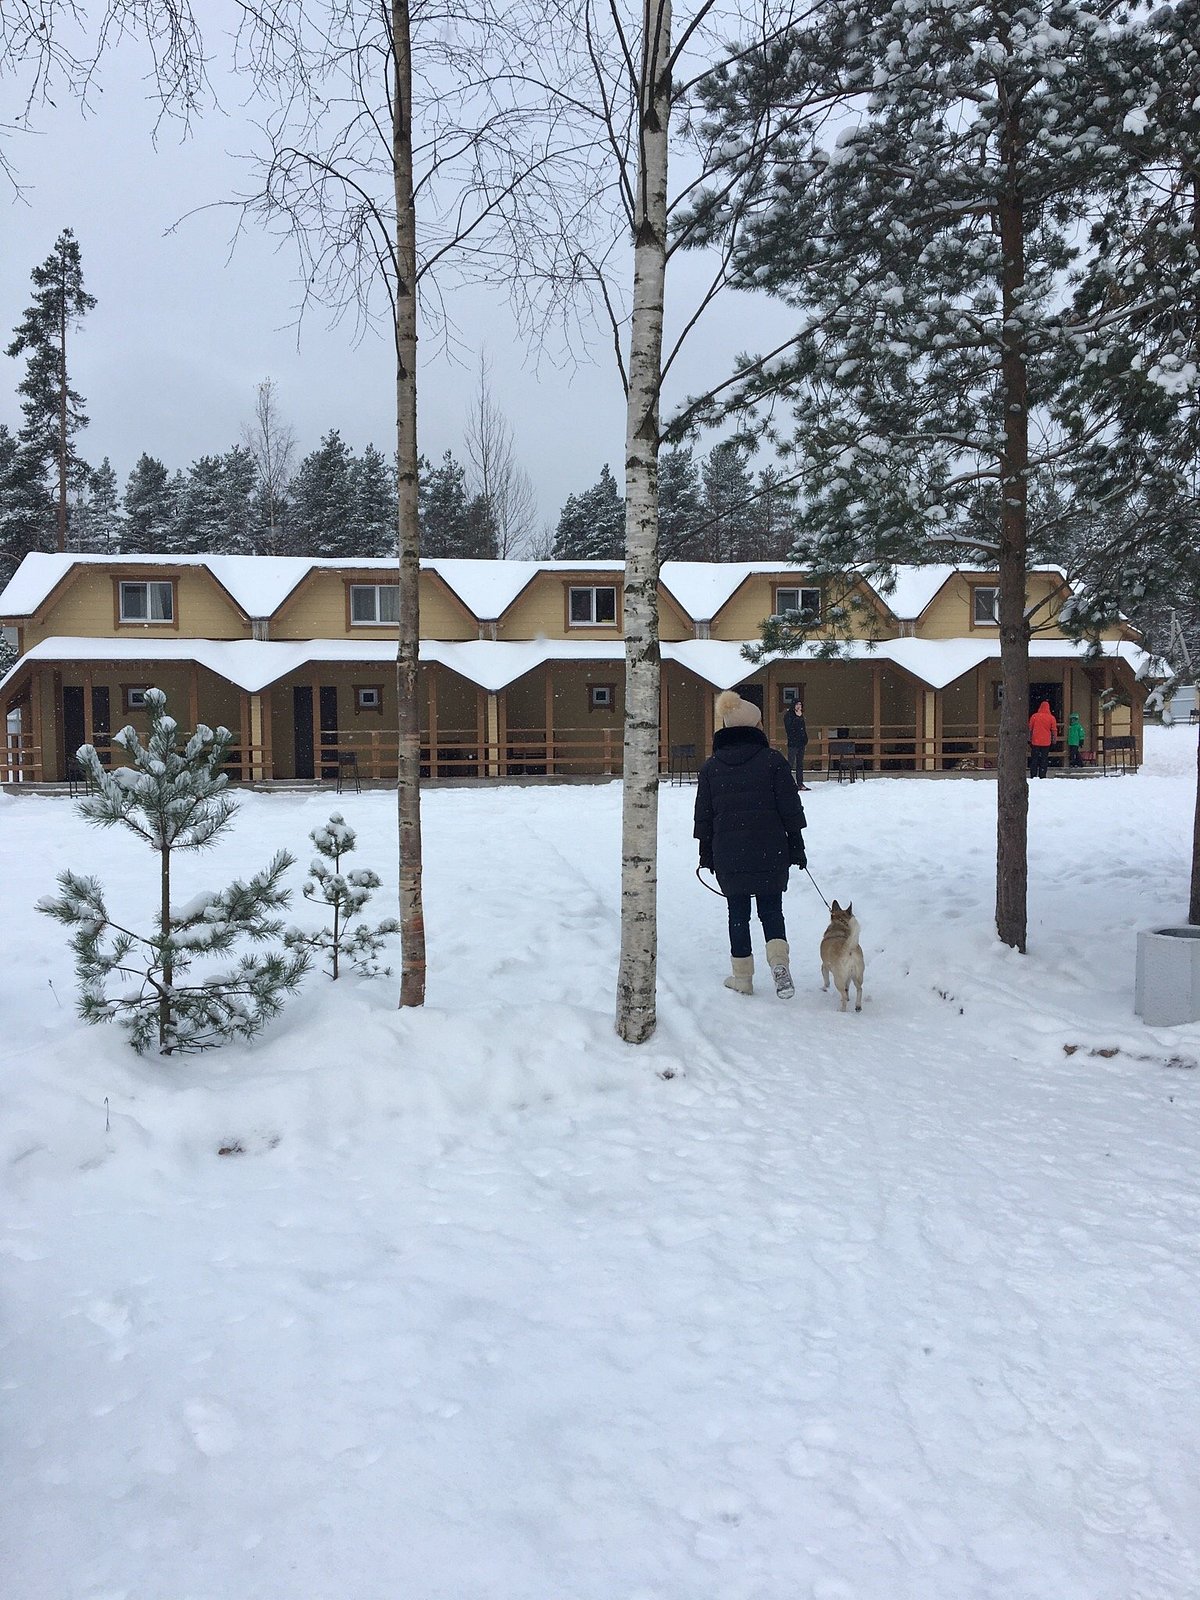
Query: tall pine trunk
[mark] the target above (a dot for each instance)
(408, 654)
(1194, 899)
(62, 413)
(635, 1020)
(1012, 762)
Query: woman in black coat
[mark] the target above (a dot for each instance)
(749, 822)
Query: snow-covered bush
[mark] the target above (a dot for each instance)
(172, 796)
(346, 893)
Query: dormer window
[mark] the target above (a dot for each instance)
(802, 602)
(592, 606)
(374, 605)
(146, 601)
(985, 602)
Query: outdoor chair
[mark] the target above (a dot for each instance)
(845, 760)
(681, 765)
(1118, 753)
(347, 763)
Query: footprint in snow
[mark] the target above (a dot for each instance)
(213, 1429)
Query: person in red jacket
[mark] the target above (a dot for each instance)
(1043, 731)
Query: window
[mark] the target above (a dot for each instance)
(806, 603)
(374, 604)
(997, 696)
(592, 607)
(147, 602)
(134, 697)
(983, 606)
(602, 696)
(790, 694)
(369, 697)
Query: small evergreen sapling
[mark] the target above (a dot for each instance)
(173, 798)
(347, 893)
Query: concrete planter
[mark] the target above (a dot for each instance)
(1167, 988)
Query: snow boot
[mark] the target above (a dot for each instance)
(742, 979)
(778, 955)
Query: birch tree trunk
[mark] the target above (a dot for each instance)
(1012, 760)
(635, 1019)
(408, 664)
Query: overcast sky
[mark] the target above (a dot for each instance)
(183, 330)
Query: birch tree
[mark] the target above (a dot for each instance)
(398, 159)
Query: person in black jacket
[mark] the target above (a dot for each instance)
(796, 729)
(749, 821)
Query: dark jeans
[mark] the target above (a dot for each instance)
(796, 761)
(1039, 756)
(1076, 756)
(770, 914)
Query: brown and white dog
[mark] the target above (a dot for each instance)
(841, 955)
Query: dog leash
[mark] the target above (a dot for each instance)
(811, 880)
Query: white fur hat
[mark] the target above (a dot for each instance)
(735, 712)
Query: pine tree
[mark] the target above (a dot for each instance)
(239, 482)
(928, 254)
(592, 524)
(450, 519)
(345, 893)
(680, 511)
(151, 509)
(774, 516)
(96, 520)
(323, 500)
(730, 507)
(25, 515)
(201, 526)
(53, 410)
(373, 529)
(172, 796)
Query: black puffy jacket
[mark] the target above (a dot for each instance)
(749, 813)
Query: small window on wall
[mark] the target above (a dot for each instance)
(790, 694)
(602, 696)
(369, 697)
(135, 699)
(997, 696)
(983, 606)
(805, 603)
(374, 604)
(147, 602)
(592, 607)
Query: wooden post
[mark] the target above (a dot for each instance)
(480, 733)
(316, 729)
(256, 738)
(710, 717)
(89, 721)
(980, 714)
(1066, 721)
(502, 730)
(929, 730)
(1137, 723)
(60, 740)
(431, 672)
(549, 720)
(664, 724)
(36, 753)
(268, 735)
(194, 696)
(245, 737)
(877, 716)
(1106, 721)
(492, 764)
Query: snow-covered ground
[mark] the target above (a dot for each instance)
(487, 1306)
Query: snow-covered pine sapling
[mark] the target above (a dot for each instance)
(172, 796)
(346, 893)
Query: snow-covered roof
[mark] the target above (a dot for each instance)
(260, 584)
(254, 664)
(703, 587)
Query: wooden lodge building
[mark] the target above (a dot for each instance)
(522, 664)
